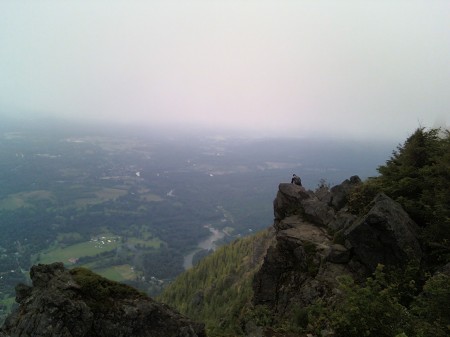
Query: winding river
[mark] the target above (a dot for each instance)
(207, 244)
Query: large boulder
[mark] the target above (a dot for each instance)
(340, 193)
(79, 303)
(385, 235)
(300, 267)
(295, 200)
(318, 212)
(324, 207)
(288, 200)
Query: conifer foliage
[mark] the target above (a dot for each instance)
(418, 177)
(218, 290)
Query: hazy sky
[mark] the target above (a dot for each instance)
(358, 68)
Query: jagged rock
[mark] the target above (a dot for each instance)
(267, 279)
(306, 259)
(340, 193)
(79, 303)
(386, 235)
(43, 273)
(22, 292)
(296, 270)
(303, 263)
(287, 201)
(323, 194)
(342, 220)
(339, 254)
(317, 207)
(288, 222)
(318, 212)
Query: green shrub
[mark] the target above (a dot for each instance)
(418, 177)
(99, 292)
(313, 318)
(370, 310)
(432, 307)
(361, 196)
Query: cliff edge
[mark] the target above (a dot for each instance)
(318, 240)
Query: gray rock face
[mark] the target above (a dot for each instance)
(318, 212)
(304, 262)
(340, 193)
(300, 267)
(288, 200)
(386, 235)
(322, 207)
(339, 254)
(65, 304)
(295, 200)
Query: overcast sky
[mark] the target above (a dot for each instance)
(353, 68)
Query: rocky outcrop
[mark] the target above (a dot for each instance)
(325, 207)
(288, 200)
(340, 193)
(318, 240)
(79, 303)
(300, 267)
(386, 235)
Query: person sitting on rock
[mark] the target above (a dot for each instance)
(296, 180)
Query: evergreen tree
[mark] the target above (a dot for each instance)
(418, 177)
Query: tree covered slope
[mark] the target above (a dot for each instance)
(218, 290)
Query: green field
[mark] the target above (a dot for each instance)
(142, 236)
(147, 243)
(24, 199)
(118, 273)
(101, 196)
(69, 254)
(8, 302)
(71, 236)
(103, 243)
(149, 197)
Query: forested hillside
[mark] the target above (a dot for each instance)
(218, 290)
(403, 299)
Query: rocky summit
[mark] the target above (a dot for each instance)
(318, 240)
(79, 303)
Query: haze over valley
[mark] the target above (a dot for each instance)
(135, 204)
(137, 137)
